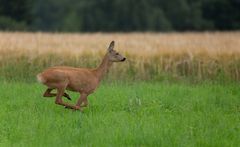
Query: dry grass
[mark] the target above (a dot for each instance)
(197, 56)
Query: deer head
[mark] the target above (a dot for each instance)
(113, 55)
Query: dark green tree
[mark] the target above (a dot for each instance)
(225, 14)
(119, 15)
(15, 14)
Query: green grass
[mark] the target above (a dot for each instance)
(140, 114)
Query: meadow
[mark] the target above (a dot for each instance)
(137, 114)
(151, 56)
(175, 89)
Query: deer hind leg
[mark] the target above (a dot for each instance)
(59, 101)
(48, 93)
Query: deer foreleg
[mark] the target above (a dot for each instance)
(84, 103)
(82, 100)
(59, 101)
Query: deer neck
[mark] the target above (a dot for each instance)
(102, 69)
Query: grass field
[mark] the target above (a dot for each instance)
(150, 56)
(174, 89)
(138, 114)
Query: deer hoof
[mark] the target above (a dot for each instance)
(74, 108)
(77, 107)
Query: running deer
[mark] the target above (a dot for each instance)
(82, 80)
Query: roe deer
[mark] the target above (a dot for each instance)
(82, 80)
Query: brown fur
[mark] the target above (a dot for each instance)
(82, 80)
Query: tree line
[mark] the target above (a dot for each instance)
(119, 15)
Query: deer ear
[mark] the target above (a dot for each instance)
(111, 46)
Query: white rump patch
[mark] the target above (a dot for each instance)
(40, 78)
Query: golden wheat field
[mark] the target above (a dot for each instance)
(150, 56)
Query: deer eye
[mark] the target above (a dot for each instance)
(117, 53)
